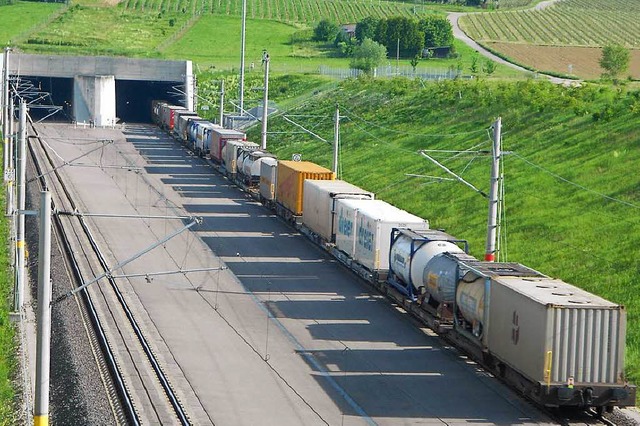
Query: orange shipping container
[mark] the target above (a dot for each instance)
(291, 176)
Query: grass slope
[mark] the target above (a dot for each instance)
(120, 32)
(20, 17)
(585, 233)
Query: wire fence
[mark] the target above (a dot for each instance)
(395, 71)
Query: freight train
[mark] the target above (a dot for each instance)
(557, 344)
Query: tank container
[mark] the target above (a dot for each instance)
(420, 260)
(231, 152)
(251, 161)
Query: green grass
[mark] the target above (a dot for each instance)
(20, 17)
(120, 32)
(560, 229)
(8, 362)
(568, 23)
(289, 45)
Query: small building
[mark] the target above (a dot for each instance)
(436, 52)
(349, 29)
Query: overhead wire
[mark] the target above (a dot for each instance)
(577, 185)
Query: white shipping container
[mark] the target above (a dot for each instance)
(268, 176)
(550, 331)
(320, 198)
(374, 223)
(346, 215)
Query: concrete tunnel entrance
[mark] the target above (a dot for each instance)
(133, 98)
(103, 90)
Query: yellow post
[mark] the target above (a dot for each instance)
(547, 368)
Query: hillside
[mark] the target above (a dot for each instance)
(564, 38)
(571, 202)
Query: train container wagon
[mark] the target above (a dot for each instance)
(219, 138)
(178, 118)
(168, 116)
(181, 129)
(422, 266)
(557, 343)
(320, 197)
(290, 183)
(249, 164)
(364, 230)
(268, 179)
(232, 151)
(156, 111)
(203, 128)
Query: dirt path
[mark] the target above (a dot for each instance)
(458, 33)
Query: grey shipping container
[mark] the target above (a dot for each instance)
(552, 331)
(268, 176)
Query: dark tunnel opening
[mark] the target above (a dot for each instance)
(47, 97)
(51, 98)
(133, 98)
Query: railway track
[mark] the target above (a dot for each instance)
(139, 390)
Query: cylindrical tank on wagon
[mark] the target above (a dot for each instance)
(422, 264)
(251, 163)
(470, 301)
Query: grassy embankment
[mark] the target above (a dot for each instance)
(585, 233)
(213, 40)
(565, 38)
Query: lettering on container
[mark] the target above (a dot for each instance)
(365, 238)
(345, 226)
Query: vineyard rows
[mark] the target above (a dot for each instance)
(306, 11)
(568, 23)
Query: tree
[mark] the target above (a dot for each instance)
(489, 67)
(401, 31)
(368, 55)
(474, 65)
(614, 60)
(326, 30)
(366, 28)
(414, 62)
(438, 32)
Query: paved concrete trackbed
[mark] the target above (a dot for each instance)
(286, 336)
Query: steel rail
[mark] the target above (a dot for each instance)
(160, 375)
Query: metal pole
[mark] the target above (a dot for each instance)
(265, 101)
(43, 343)
(492, 225)
(336, 140)
(398, 58)
(11, 178)
(22, 173)
(242, 45)
(5, 107)
(221, 102)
